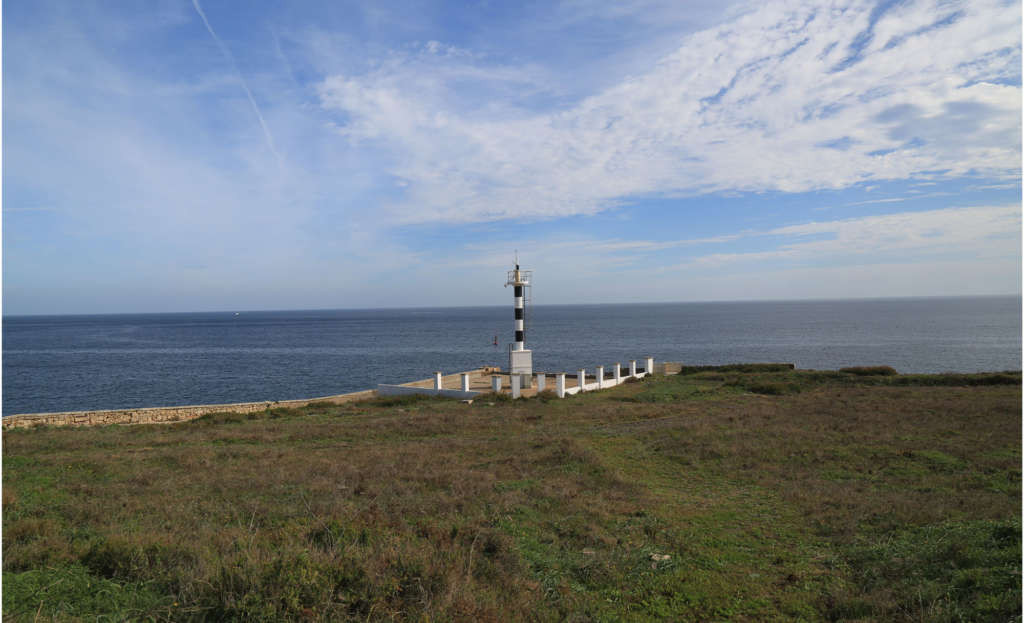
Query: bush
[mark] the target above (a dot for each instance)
(771, 389)
(220, 417)
(739, 367)
(957, 380)
(402, 400)
(995, 379)
(322, 404)
(870, 371)
(547, 395)
(492, 397)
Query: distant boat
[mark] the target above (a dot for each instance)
(236, 313)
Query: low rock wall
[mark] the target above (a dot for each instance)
(163, 415)
(166, 415)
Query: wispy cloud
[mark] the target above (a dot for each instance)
(757, 103)
(983, 231)
(245, 85)
(973, 231)
(382, 131)
(871, 201)
(965, 250)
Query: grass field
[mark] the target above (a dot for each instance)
(740, 493)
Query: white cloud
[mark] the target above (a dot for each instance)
(885, 279)
(137, 165)
(973, 250)
(969, 233)
(783, 97)
(913, 237)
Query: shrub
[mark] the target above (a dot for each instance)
(402, 400)
(771, 389)
(870, 371)
(739, 367)
(219, 417)
(954, 380)
(996, 379)
(321, 404)
(547, 395)
(492, 397)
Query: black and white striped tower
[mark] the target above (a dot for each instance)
(520, 308)
(520, 359)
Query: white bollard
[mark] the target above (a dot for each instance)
(540, 382)
(632, 368)
(560, 384)
(600, 377)
(515, 378)
(650, 365)
(582, 378)
(437, 380)
(495, 383)
(465, 381)
(618, 373)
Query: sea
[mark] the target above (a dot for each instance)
(71, 363)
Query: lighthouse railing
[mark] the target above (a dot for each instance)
(525, 277)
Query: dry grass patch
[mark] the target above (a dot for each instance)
(684, 497)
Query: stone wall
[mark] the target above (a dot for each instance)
(163, 415)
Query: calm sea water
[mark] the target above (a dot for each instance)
(64, 363)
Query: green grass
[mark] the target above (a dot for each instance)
(951, 571)
(746, 492)
(71, 592)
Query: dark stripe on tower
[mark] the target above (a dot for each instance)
(519, 313)
(518, 290)
(519, 336)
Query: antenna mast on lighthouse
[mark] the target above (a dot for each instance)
(520, 360)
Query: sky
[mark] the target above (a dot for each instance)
(196, 155)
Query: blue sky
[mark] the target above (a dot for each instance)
(201, 155)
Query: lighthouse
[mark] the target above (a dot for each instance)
(520, 360)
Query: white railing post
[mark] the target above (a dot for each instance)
(560, 384)
(437, 380)
(515, 378)
(465, 381)
(650, 365)
(540, 382)
(618, 373)
(632, 368)
(582, 378)
(600, 377)
(495, 383)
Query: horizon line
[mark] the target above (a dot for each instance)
(399, 307)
